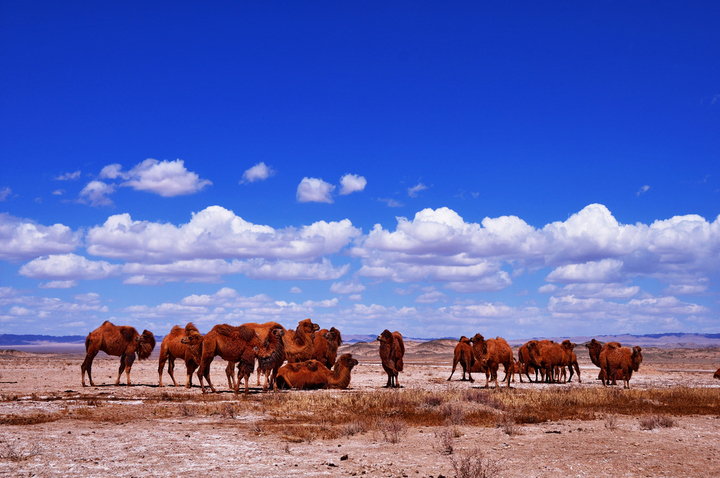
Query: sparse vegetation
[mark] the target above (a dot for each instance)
(14, 450)
(657, 421)
(474, 464)
(445, 440)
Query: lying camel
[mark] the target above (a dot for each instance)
(464, 356)
(717, 373)
(121, 341)
(392, 350)
(312, 374)
(182, 343)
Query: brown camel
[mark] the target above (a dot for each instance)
(595, 348)
(570, 361)
(620, 362)
(312, 374)
(272, 355)
(121, 341)
(548, 357)
(235, 344)
(491, 353)
(326, 345)
(299, 343)
(464, 356)
(262, 330)
(524, 359)
(392, 350)
(182, 343)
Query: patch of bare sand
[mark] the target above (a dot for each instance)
(243, 445)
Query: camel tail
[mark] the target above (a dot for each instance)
(87, 343)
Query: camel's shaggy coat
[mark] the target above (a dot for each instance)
(235, 344)
(620, 363)
(299, 343)
(490, 354)
(326, 345)
(464, 356)
(182, 343)
(392, 350)
(595, 348)
(119, 340)
(312, 374)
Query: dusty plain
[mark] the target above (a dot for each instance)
(51, 426)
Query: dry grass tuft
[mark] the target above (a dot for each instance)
(473, 464)
(393, 430)
(15, 451)
(445, 441)
(657, 421)
(611, 422)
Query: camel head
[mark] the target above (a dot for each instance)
(567, 345)
(333, 335)
(347, 361)
(478, 339)
(386, 337)
(636, 357)
(278, 331)
(308, 327)
(146, 344)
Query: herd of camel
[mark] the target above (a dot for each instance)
(306, 358)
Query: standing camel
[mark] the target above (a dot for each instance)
(121, 341)
(392, 350)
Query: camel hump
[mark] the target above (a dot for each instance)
(612, 345)
(128, 333)
(176, 329)
(312, 365)
(190, 327)
(106, 322)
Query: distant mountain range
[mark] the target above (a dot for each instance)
(667, 340)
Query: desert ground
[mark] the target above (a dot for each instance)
(51, 426)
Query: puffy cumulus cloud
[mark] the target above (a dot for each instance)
(590, 246)
(348, 287)
(352, 183)
(314, 190)
(431, 297)
(68, 267)
(259, 172)
(604, 271)
(323, 304)
(96, 194)
(23, 239)
(111, 171)
(215, 233)
(166, 178)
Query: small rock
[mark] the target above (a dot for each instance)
(343, 458)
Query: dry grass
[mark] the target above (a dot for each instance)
(305, 416)
(657, 421)
(14, 450)
(474, 464)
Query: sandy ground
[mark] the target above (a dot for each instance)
(239, 446)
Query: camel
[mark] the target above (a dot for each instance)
(570, 361)
(464, 356)
(326, 345)
(392, 350)
(491, 353)
(299, 343)
(595, 348)
(263, 331)
(239, 345)
(313, 374)
(524, 359)
(121, 341)
(272, 355)
(183, 343)
(620, 362)
(548, 357)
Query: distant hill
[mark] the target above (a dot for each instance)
(11, 339)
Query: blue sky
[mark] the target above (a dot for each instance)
(439, 169)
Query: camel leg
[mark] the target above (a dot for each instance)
(258, 377)
(230, 372)
(128, 365)
(171, 369)
(121, 370)
(397, 382)
(453, 371)
(190, 366)
(577, 369)
(87, 364)
(161, 366)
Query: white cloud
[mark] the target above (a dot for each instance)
(315, 190)
(295, 290)
(112, 171)
(642, 190)
(606, 270)
(58, 284)
(22, 239)
(597, 290)
(58, 192)
(259, 172)
(430, 297)
(323, 304)
(68, 176)
(68, 267)
(166, 178)
(4, 193)
(352, 183)
(215, 233)
(547, 289)
(685, 289)
(96, 193)
(349, 287)
(413, 191)
(391, 202)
